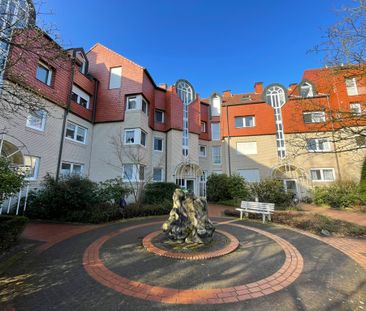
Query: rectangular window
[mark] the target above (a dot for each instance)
(134, 137)
(246, 148)
(159, 116)
(68, 169)
(250, 175)
(203, 151)
(31, 165)
(44, 74)
(158, 144)
(80, 97)
(76, 132)
(131, 103)
(37, 120)
(355, 108)
(247, 121)
(351, 85)
(215, 131)
(128, 172)
(216, 155)
(322, 174)
(216, 106)
(157, 174)
(115, 78)
(203, 126)
(314, 117)
(133, 172)
(318, 145)
(145, 106)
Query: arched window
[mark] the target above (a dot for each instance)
(275, 96)
(186, 94)
(11, 152)
(306, 90)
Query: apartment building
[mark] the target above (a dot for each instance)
(105, 117)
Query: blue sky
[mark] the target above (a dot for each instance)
(216, 45)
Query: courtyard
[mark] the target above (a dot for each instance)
(121, 266)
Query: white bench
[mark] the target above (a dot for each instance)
(266, 209)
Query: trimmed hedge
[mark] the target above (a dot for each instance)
(158, 192)
(10, 229)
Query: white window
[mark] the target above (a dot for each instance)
(250, 175)
(133, 172)
(37, 120)
(132, 103)
(247, 121)
(145, 106)
(215, 131)
(218, 172)
(216, 106)
(68, 169)
(115, 78)
(322, 174)
(135, 137)
(157, 174)
(314, 116)
(159, 116)
(203, 151)
(76, 132)
(31, 166)
(351, 85)
(306, 90)
(81, 62)
(158, 144)
(355, 108)
(216, 155)
(318, 145)
(203, 126)
(246, 147)
(80, 97)
(44, 73)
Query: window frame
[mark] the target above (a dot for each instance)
(312, 118)
(204, 155)
(322, 174)
(110, 78)
(43, 121)
(72, 164)
(36, 168)
(359, 108)
(162, 144)
(50, 73)
(317, 144)
(213, 155)
(162, 114)
(77, 126)
(204, 126)
(244, 121)
(79, 95)
(249, 169)
(212, 132)
(135, 172)
(246, 142)
(137, 137)
(161, 176)
(355, 86)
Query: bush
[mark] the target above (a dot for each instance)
(10, 180)
(222, 187)
(338, 195)
(271, 191)
(363, 182)
(10, 229)
(132, 210)
(159, 192)
(76, 199)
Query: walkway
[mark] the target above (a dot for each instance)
(107, 268)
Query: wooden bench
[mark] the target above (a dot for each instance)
(266, 209)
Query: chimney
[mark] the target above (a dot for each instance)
(163, 86)
(292, 86)
(258, 87)
(227, 93)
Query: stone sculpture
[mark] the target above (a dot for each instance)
(188, 220)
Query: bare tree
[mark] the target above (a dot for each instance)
(132, 163)
(22, 42)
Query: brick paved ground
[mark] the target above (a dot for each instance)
(107, 268)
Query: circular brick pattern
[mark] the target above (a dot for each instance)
(286, 275)
(150, 247)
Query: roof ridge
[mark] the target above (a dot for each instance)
(114, 52)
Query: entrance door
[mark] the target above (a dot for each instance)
(190, 185)
(290, 185)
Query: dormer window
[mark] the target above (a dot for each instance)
(246, 98)
(137, 102)
(306, 90)
(216, 105)
(81, 62)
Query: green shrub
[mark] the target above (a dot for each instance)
(221, 187)
(271, 191)
(103, 212)
(337, 195)
(10, 229)
(159, 192)
(132, 210)
(10, 180)
(112, 190)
